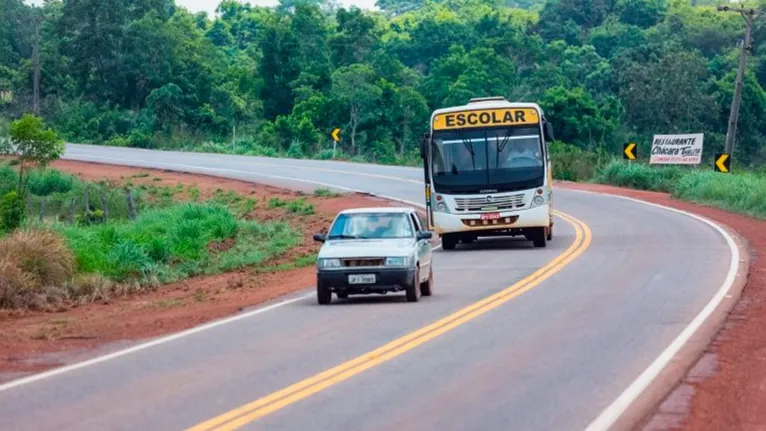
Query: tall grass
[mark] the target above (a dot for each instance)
(173, 243)
(34, 267)
(743, 193)
(640, 176)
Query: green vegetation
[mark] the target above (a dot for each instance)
(65, 252)
(744, 193)
(174, 243)
(283, 77)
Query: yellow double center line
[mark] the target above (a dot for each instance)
(263, 406)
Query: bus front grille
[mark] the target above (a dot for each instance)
(498, 203)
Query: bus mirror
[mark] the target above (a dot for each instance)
(424, 145)
(549, 132)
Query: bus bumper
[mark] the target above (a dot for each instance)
(452, 223)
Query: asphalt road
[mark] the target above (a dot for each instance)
(550, 356)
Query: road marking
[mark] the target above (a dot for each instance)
(137, 348)
(612, 413)
(261, 407)
(57, 371)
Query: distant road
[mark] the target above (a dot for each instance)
(620, 281)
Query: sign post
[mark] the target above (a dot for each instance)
(335, 139)
(677, 149)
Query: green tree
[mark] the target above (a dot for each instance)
(34, 145)
(353, 87)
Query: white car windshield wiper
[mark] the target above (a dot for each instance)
(347, 237)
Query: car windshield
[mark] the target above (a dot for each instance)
(371, 226)
(490, 158)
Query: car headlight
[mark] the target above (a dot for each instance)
(329, 263)
(398, 261)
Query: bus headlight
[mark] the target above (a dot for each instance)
(537, 201)
(442, 207)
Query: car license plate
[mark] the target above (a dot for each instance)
(361, 279)
(490, 216)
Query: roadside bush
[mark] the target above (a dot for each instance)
(8, 179)
(12, 209)
(49, 181)
(35, 266)
(570, 163)
(175, 236)
(640, 176)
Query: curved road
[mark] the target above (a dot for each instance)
(549, 350)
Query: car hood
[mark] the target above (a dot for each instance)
(366, 248)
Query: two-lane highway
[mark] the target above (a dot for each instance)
(514, 337)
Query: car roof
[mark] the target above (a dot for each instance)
(389, 210)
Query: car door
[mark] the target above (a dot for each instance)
(424, 248)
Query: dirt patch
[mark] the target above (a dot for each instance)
(724, 390)
(36, 341)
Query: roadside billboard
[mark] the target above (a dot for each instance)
(677, 149)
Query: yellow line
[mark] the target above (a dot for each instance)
(263, 406)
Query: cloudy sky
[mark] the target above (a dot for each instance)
(210, 5)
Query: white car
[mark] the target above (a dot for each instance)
(375, 250)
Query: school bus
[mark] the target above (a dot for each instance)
(488, 172)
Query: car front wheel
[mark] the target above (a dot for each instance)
(413, 290)
(324, 296)
(427, 288)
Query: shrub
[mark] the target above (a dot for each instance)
(12, 208)
(49, 181)
(35, 266)
(570, 163)
(742, 193)
(640, 176)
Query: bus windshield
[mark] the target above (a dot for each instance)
(472, 161)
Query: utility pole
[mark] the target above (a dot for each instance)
(749, 15)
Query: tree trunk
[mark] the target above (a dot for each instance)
(36, 61)
(405, 130)
(105, 206)
(87, 199)
(72, 210)
(131, 204)
(354, 114)
(42, 209)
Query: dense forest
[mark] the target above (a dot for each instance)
(255, 80)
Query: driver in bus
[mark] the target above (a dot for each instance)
(527, 149)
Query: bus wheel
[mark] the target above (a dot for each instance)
(540, 238)
(449, 241)
(550, 233)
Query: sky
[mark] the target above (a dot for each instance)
(209, 6)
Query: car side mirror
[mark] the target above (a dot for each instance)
(424, 145)
(319, 237)
(548, 132)
(425, 235)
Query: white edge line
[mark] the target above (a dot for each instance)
(68, 368)
(612, 413)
